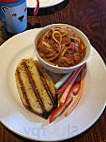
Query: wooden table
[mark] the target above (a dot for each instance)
(90, 17)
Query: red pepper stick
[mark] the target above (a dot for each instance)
(71, 79)
(56, 113)
(61, 108)
(83, 74)
(76, 88)
(68, 100)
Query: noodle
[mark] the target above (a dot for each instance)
(47, 45)
(60, 46)
(56, 32)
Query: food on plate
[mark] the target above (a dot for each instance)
(73, 97)
(61, 46)
(65, 89)
(35, 87)
(61, 82)
(80, 90)
(37, 90)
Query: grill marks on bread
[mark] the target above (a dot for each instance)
(46, 84)
(30, 95)
(35, 87)
(23, 93)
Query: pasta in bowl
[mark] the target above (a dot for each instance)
(62, 48)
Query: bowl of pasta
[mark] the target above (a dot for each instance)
(62, 48)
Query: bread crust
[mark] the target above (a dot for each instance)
(35, 87)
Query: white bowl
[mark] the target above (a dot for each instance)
(57, 69)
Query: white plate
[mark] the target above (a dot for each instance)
(43, 3)
(19, 120)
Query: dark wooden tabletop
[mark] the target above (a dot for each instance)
(90, 17)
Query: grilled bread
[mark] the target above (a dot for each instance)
(35, 87)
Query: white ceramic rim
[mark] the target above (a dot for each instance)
(44, 5)
(65, 68)
(31, 33)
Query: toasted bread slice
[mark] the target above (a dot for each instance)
(35, 87)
